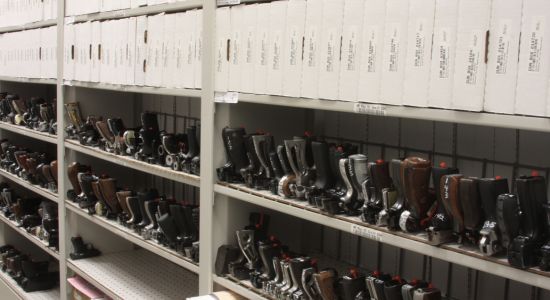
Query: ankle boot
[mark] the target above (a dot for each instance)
(250, 171)
(263, 145)
(416, 174)
(135, 213)
(107, 136)
(117, 128)
(235, 150)
(297, 266)
(82, 250)
(124, 216)
(76, 122)
(32, 117)
(20, 108)
(108, 190)
(151, 209)
(350, 285)
(150, 136)
(288, 179)
(471, 207)
(47, 115)
(190, 161)
(173, 145)
(489, 190)
(523, 252)
(86, 199)
(50, 223)
(131, 141)
(267, 251)
(72, 172)
(379, 179)
(394, 212)
(324, 179)
(101, 208)
(440, 230)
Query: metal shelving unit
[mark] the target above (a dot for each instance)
(134, 12)
(132, 163)
(33, 25)
(136, 274)
(133, 237)
(52, 294)
(33, 188)
(22, 130)
(135, 89)
(125, 274)
(41, 244)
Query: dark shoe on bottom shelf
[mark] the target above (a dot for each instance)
(82, 250)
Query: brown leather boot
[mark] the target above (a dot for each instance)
(107, 135)
(108, 190)
(415, 174)
(121, 197)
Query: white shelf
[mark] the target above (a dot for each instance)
(453, 253)
(243, 288)
(135, 89)
(29, 80)
(52, 294)
(134, 12)
(135, 164)
(131, 236)
(43, 245)
(432, 114)
(22, 130)
(33, 188)
(33, 25)
(136, 275)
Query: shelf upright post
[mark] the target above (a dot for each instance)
(62, 171)
(207, 180)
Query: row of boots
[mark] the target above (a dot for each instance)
(281, 274)
(178, 151)
(35, 215)
(34, 113)
(153, 216)
(407, 194)
(30, 275)
(34, 167)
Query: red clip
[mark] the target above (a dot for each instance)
(443, 165)
(376, 273)
(498, 177)
(431, 286)
(307, 133)
(340, 149)
(353, 273)
(397, 278)
(314, 263)
(379, 161)
(535, 173)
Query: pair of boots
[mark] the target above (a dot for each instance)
(178, 225)
(98, 194)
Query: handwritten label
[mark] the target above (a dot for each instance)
(226, 97)
(365, 232)
(369, 109)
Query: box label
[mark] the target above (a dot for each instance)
(395, 44)
(503, 46)
(474, 57)
(294, 46)
(536, 43)
(276, 62)
(420, 43)
(332, 54)
(444, 49)
(351, 56)
(372, 36)
(226, 97)
(312, 47)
